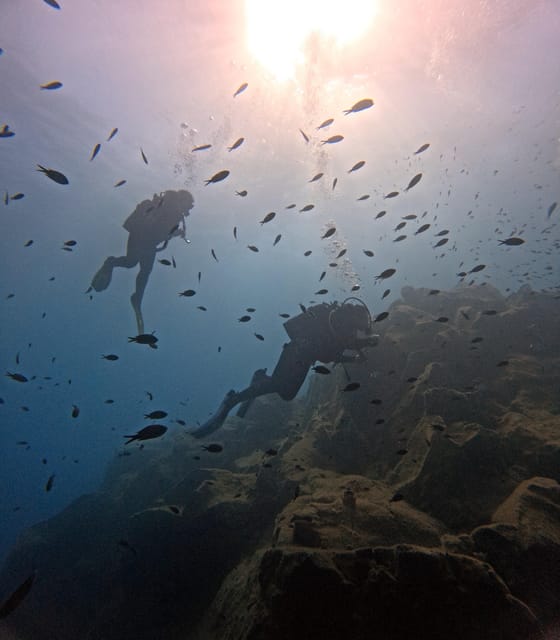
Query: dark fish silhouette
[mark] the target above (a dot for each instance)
(352, 386)
(258, 336)
(144, 338)
(110, 356)
(277, 239)
(321, 292)
(95, 151)
(236, 144)
(217, 177)
(368, 253)
(213, 448)
(364, 197)
(386, 274)
(421, 229)
(333, 139)
(147, 433)
(551, 209)
(328, 233)
(316, 177)
(325, 123)
(119, 183)
(18, 377)
(382, 316)
(512, 242)
(112, 134)
(5, 132)
(422, 148)
(441, 242)
(385, 293)
(52, 3)
(75, 411)
(54, 175)
(187, 293)
(17, 196)
(155, 415)
(305, 137)
(357, 166)
(366, 103)
(414, 181)
(49, 86)
(50, 482)
(17, 597)
(269, 216)
(392, 194)
(241, 89)
(380, 214)
(241, 193)
(143, 156)
(213, 255)
(202, 147)
(307, 207)
(253, 248)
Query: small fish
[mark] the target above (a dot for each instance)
(217, 177)
(319, 368)
(253, 248)
(321, 292)
(334, 183)
(17, 196)
(325, 123)
(201, 147)
(364, 197)
(111, 356)
(5, 132)
(165, 262)
(551, 209)
(258, 336)
(421, 229)
(119, 183)
(187, 293)
(50, 86)
(269, 216)
(112, 134)
(240, 89)
(52, 3)
(173, 262)
(479, 267)
(54, 175)
(386, 274)
(382, 316)
(143, 156)
(352, 386)
(305, 137)
(6, 198)
(368, 253)
(422, 148)
(95, 151)
(328, 233)
(28, 243)
(366, 103)
(213, 448)
(316, 177)
(150, 396)
(147, 433)
(213, 255)
(307, 207)
(385, 293)
(442, 319)
(155, 415)
(18, 377)
(442, 233)
(277, 239)
(75, 411)
(284, 315)
(512, 242)
(357, 166)
(333, 139)
(291, 206)
(50, 483)
(400, 226)
(17, 597)
(392, 194)
(236, 144)
(144, 338)
(307, 253)
(441, 242)
(235, 232)
(322, 275)
(414, 181)
(380, 214)
(241, 193)
(340, 254)
(410, 216)
(202, 308)
(244, 319)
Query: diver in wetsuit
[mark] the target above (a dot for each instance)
(152, 223)
(325, 332)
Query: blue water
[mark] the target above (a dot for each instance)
(481, 88)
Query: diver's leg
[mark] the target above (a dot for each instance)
(102, 279)
(290, 371)
(146, 265)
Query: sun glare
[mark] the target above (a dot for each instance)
(277, 31)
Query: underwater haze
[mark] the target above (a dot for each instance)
(442, 162)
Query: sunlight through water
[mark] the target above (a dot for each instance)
(277, 32)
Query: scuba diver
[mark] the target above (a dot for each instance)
(324, 332)
(153, 222)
